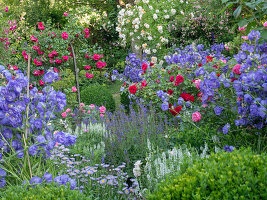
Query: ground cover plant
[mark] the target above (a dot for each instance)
(133, 99)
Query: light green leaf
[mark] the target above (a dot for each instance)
(237, 11)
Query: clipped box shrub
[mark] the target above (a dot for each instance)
(237, 175)
(41, 192)
(98, 95)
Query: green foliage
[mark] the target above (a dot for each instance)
(98, 95)
(41, 192)
(65, 84)
(125, 101)
(89, 139)
(249, 13)
(237, 175)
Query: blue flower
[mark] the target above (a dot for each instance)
(2, 172)
(228, 148)
(218, 110)
(226, 128)
(164, 106)
(40, 139)
(49, 77)
(33, 150)
(160, 93)
(35, 180)
(48, 177)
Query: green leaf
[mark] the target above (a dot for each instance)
(237, 11)
(224, 1)
(242, 23)
(264, 34)
(251, 5)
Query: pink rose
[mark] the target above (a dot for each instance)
(226, 47)
(74, 89)
(223, 60)
(34, 39)
(65, 58)
(92, 106)
(72, 114)
(197, 83)
(82, 105)
(101, 115)
(6, 9)
(196, 116)
(68, 110)
(64, 114)
(64, 35)
(87, 67)
(41, 82)
(58, 61)
(242, 28)
(65, 14)
(236, 69)
(102, 109)
(89, 75)
(86, 31)
(96, 57)
(265, 24)
(54, 53)
(89, 111)
(244, 37)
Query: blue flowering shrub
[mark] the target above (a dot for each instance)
(41, 192)
(237, 175)
(26, 125)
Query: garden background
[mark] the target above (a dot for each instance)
(133, 99)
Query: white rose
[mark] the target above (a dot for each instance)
(155, 16)
(146, 25)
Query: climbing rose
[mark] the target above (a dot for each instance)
(64, 35)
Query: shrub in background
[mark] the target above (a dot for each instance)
(98, 95)
(65, 84)
(41, 192)
(240, 174)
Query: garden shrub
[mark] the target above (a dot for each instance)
(41, 192)
(65, 85)
(237, 175)
(99, 95)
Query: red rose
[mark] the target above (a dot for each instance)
(144, 66)
(179, 79)
(41, 83)
(151, 64)
(233, 79)
(176, 110)
(170, 92)
(172, 78)
(41, 72)
(144, 84)
(200, 64)
(187, 97)
(133, 89)
(209, 59)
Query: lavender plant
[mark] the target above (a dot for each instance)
(126, 136)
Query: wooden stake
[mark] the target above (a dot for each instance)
(27, 114)
(76, 74)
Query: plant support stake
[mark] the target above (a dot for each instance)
(27, 115)
(76, 73)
